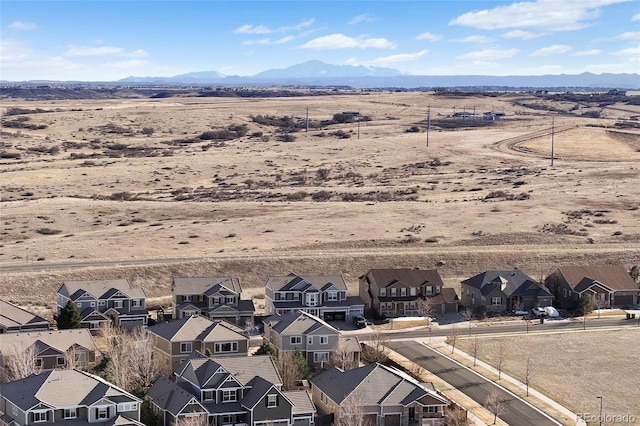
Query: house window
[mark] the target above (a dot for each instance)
(101, 303)
(39, 416)
(321, 356)
(437, 289)
(127, 406)
(79, 305)
(93, 304)
(309, 340)
(38, 362)
(296, 340)
(332, 296)
(227, 419)
(94, 325)
(496, 301)
(393, 292)
(229, 396)
(324, 340)
(226, 347)
(429, 289)
(117, 304)
(208, 395)
(312, 299)
(185, 347)
(70, 413)
(230, 300)
(81, 356)
(564, 292)
(60, 361)
(412, 291)
(383, 292)
(602, 296)
(277, 296)
(186, 298)
(272, 401)
(103, 412)
(403, 291)
(136, 303)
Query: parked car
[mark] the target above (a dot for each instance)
(539, 312)
(363, 322)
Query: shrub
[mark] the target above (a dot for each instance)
(321, 196)
(297, 196)
(48, 231)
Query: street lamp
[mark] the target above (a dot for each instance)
(600, 398)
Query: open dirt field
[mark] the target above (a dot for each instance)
(575, 371)
(140, 178)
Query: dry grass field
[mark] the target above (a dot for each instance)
(94, 181)
(566, 370)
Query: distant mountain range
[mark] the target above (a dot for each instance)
(317, 73)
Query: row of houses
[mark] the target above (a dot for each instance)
(381, 292)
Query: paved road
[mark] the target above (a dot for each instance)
(476, 387)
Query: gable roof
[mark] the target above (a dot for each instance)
(515, 282)
(61, 340)
(409, 277)
(197, 328)
(80, 389)
(379, 385)
(259, 387)
(170, 397)
(100, 289)
(298, 323)
(245, 368)
(293, 282)
(301, 402)
(615, 277)
(205, 285)
(13, 316)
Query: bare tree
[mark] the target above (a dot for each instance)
(72, 358)
(495, 405)
(528, 372)
(285, 363)
(467, 314)
(376, 348)
(352, 412)
(500, 358)
(452, 337)
(21, 362)
(342, 356)
(145, 365)
(456, 416)
(425, 307)
(475, 348)
(116, 347)
(248, 327)
(599, 303)
(197, 420)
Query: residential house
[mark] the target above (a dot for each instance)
(214, 298)
(314, 337)
(51, 349)
(14, 319)
(230, 391)
(176, 340)
(70, 397)
(501, 291)
(405, 292)
(609, 285)
(104, 301)
(324, 296)
(384, 395)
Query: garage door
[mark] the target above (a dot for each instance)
(392, 420)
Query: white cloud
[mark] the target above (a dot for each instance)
(590, 52)
(551, 15)
(555, 49)
(102, 51)
(636, 17)
(524, 35)
(251, 29)
(270, 42)
(489, 54)
(341, 41)
(428, 36)
(629, 35)
(632, 53)
(474, 39)
(23, 26)
(401, 57)
(365, 17)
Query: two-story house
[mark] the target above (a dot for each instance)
(176, 340)
(312, 336)
(608, 285)
(501, 291)
(212, 297)
(400, 292)
(104, 301)
(51, 349)
(14, 319)
(324, 296)
(70, 397)
(243, 391)
(378, 395)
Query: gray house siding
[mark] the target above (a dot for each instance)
(282, 411)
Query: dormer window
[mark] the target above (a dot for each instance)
(429, 289)
(437, 289)
(117, 304)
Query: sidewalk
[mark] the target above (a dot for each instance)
(552, 408)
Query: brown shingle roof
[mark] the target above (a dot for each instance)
(615, 277)
(410, 277)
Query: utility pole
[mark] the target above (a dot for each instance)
(307, 119)
(552, 137)
(428, 123)
(358, 129)
(600, 398)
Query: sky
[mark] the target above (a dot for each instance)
(86, 40)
